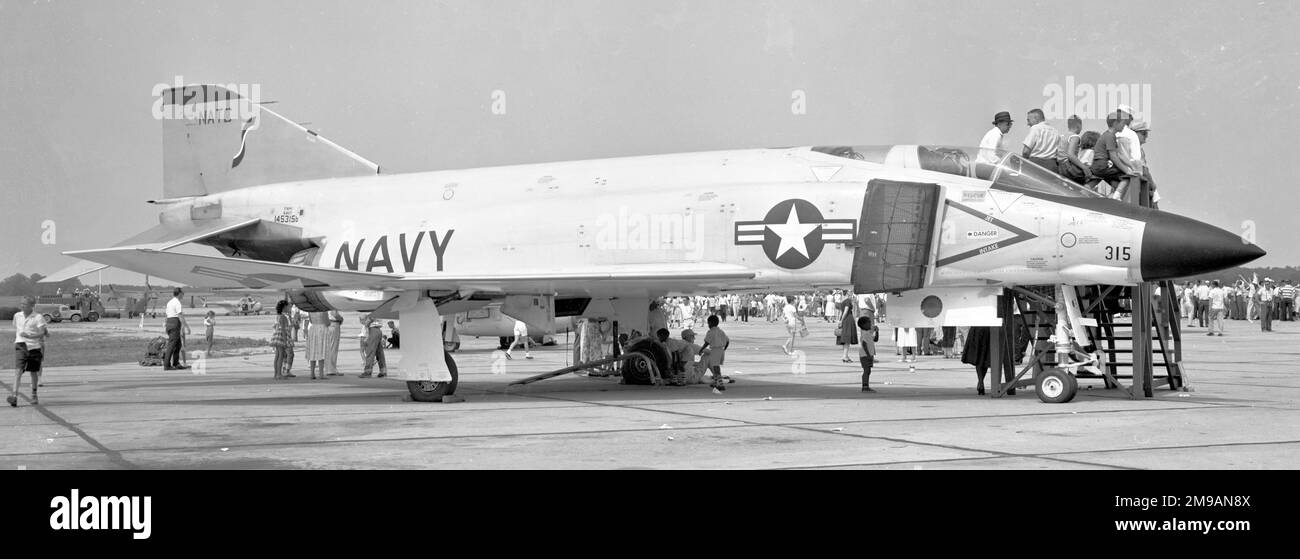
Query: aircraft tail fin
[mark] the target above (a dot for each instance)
(217, 139)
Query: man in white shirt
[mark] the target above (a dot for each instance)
(1042, 143)
(1203, 303)
(1128, 138)
(1266, 293)
(1143, 132)
(1217, 309)
(1130, 147)
(175, 322)
(29, 345)
(991, 145)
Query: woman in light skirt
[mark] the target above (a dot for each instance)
(318, 323)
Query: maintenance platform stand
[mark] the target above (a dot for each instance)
(1150, 338)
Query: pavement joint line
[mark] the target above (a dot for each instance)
(939, 460)
(1173, 447)
(579, 405)
(995, 453)
(1047, 456)
(53, 453)
(809, 429)
(288, 415)
(438, 438)
(112, 455)
(1213, 383)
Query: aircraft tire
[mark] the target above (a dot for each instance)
(1055, 386)
(429, 391)
(635, 372)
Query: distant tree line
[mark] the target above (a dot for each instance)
(18, 285)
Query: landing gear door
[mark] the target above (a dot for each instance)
(896, 236)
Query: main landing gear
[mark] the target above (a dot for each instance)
(433, 391)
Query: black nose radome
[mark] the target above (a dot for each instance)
(1174, 246)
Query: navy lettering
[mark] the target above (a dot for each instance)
(439, 248)
(409, 263)
(380, 245)
(351, 259)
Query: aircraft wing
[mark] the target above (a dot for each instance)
(220, 272)
(159, 237)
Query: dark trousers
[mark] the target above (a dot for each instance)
(375, 352)
(744, 314)
(1288, 309)
(867, 361)
(1048, 163)
(1266, 316)
(1203, 311)
(172, 355)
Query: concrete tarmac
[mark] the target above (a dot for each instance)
(1241, 414)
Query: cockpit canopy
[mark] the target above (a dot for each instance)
(1010, 171)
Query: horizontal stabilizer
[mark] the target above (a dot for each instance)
(159, 237)
(222, 272)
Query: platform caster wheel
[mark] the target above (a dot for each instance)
(433, 391)
(1055, 386)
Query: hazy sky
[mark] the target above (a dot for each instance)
(410, 84)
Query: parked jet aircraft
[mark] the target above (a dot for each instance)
(132, 302)
(290, 210)
(490, 321)
(245, 305)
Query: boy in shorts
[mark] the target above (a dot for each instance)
(29, 343)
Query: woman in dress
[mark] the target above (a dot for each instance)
(282, 341)
(317, 324)
(847, 333)
(906, 338)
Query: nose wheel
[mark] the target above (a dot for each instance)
(1055, 386)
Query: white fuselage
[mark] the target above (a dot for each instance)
(674, 211)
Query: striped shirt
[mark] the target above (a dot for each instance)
(1043, 141)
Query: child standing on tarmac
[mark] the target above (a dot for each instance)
(209, 324)
(714, 351)
(868, 335)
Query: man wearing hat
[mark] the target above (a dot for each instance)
(1266, 293)
(991, 145)
(689, 354)
(1130, 145)
(1143, 131)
